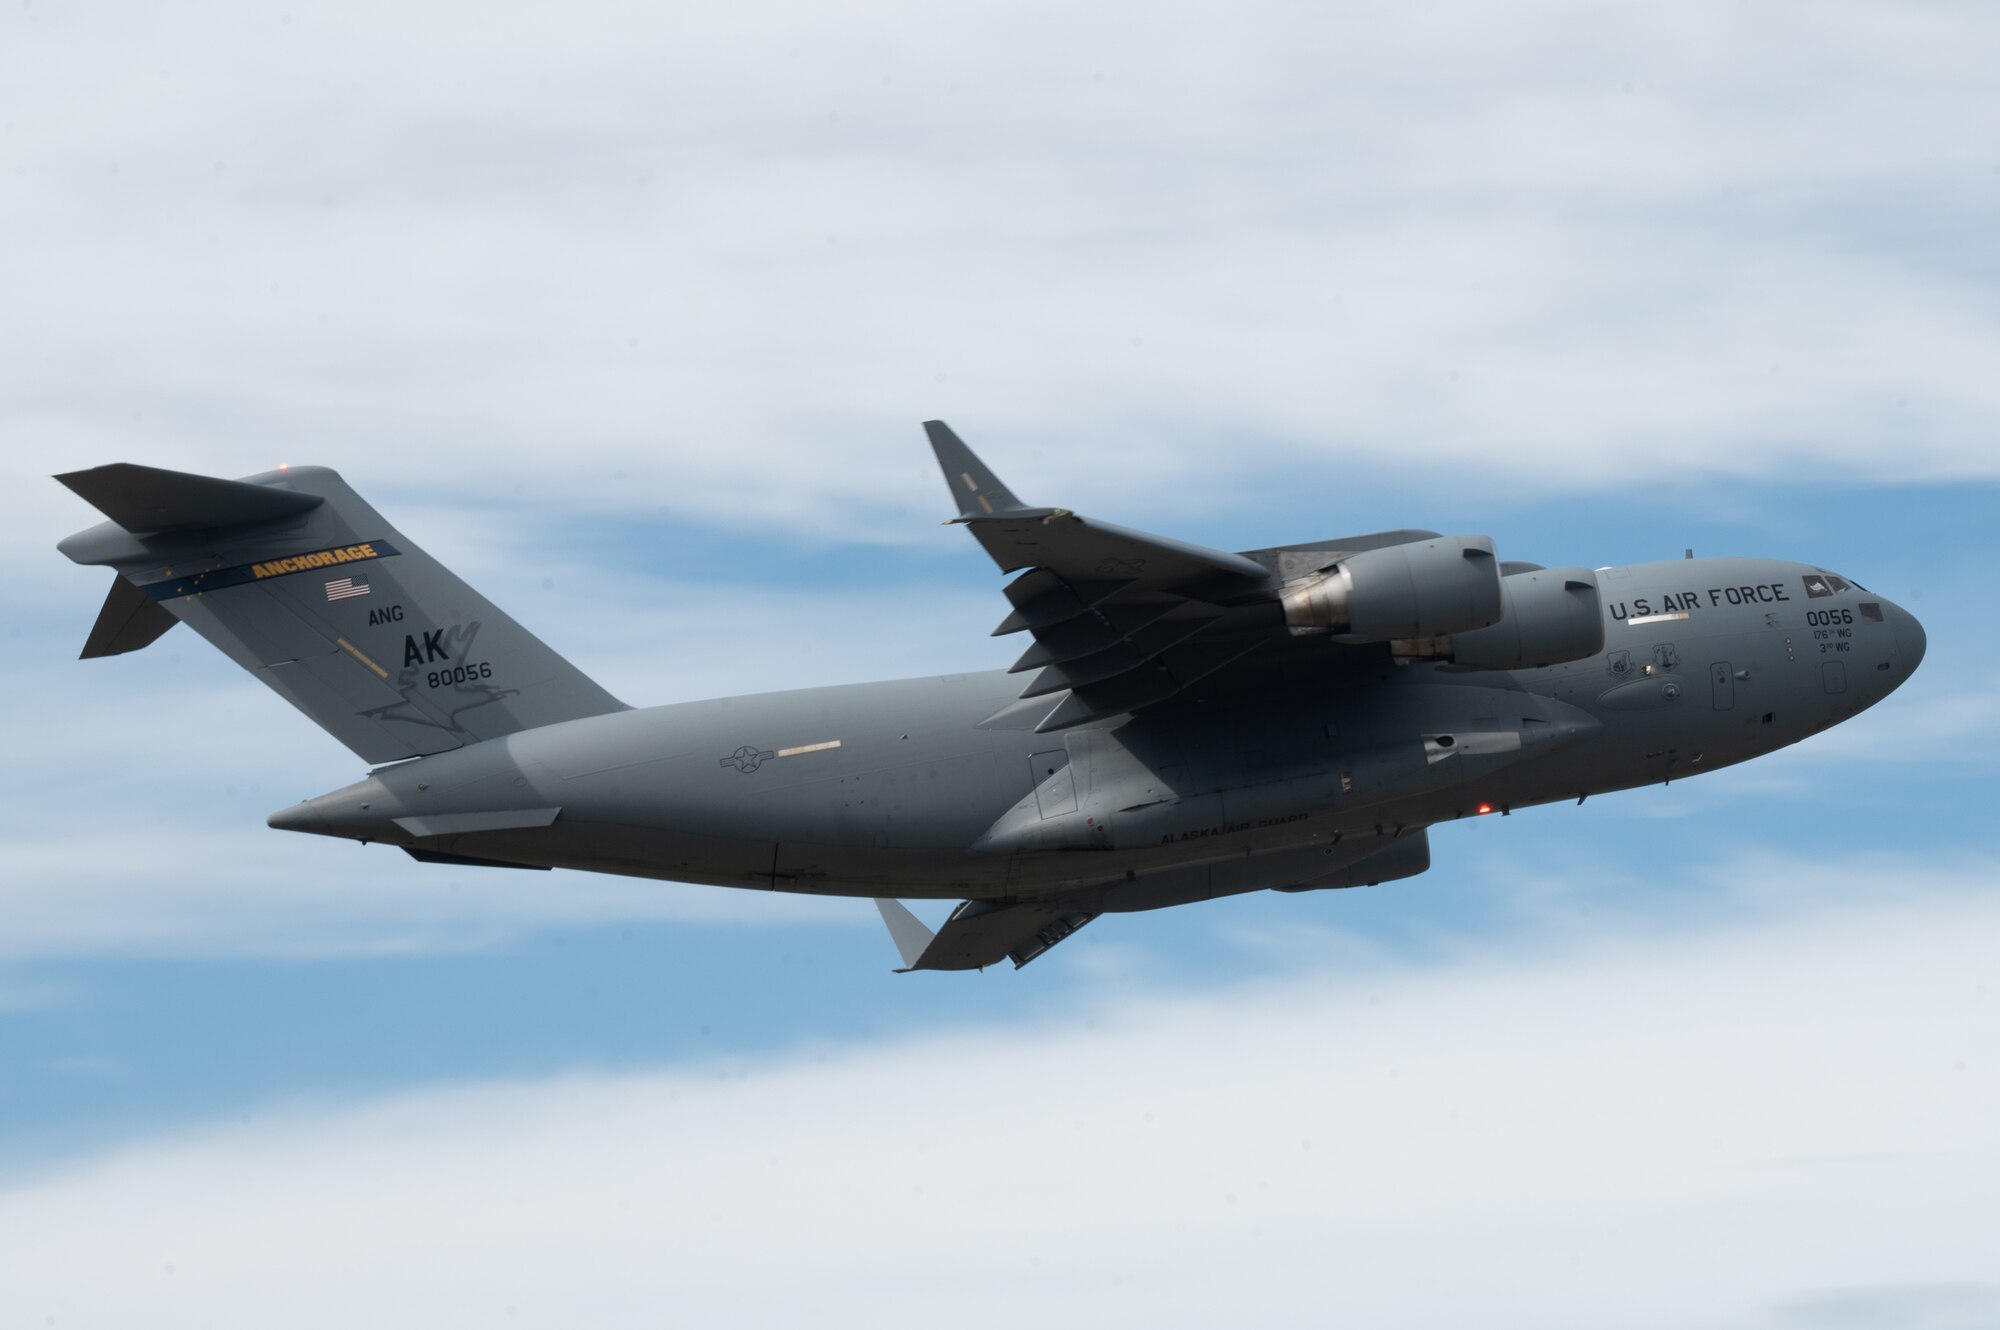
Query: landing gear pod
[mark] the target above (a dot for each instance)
(1405, 857)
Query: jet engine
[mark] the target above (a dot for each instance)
(1428, 588)
(1549, 615)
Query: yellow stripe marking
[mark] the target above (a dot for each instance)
(355, 652)
(809, 748)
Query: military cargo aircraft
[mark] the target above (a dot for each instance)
(1184, 724)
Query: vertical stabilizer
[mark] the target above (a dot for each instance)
(297, 579)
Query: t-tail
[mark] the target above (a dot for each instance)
(298, 580)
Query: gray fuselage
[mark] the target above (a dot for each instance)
(940, 787)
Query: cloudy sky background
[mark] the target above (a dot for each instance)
(630, 316)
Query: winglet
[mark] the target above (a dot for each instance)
(974, 488)
(908, 931)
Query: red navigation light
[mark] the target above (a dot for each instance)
(1484, 809)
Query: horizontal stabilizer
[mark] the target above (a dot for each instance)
(150, 499)
(130, 619)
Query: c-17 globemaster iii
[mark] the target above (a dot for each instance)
(1184, 724)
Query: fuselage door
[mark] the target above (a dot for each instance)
(1055, 788)
(1723, 682)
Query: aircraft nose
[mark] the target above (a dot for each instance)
(1910, 639)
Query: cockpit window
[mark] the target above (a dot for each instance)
(1827, 584)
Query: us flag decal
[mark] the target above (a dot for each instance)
(346, 588)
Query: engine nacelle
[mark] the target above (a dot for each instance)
(1429, 588)
(1550, 615)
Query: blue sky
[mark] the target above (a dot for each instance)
(631, 316)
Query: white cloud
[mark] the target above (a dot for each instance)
(1778, 1125)
(734, 260)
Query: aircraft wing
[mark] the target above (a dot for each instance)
(1120, 619)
